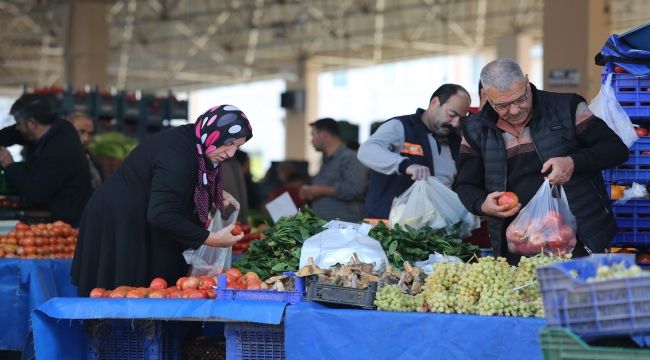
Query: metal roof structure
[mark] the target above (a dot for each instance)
(184, 44)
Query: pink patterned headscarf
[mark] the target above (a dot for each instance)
(218, 126)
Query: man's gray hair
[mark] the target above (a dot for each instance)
(501, 74)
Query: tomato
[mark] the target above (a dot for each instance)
(98, 293)
(206, 283)
(191, 282)
(174, 293)
(158, 294)
(22, 227)
(508, 198)
(236, 230)
(643, 258)
(137, 293)
(180, 281)
(158, 283)
(234, 273)
(246, 228)
(641, 131)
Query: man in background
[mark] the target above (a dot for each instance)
(337, 190)
(54, 176)
(413, 147)
(86, 130)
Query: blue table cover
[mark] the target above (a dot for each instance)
(24, 285)
(58, 324)
(313, 331)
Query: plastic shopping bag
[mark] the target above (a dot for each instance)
(430, 203)
(210, 260)
(546, 224)
(606, 106)
(337, 244)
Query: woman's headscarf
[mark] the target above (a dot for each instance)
(218, 126)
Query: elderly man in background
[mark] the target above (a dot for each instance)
(86, 130)
(413, 147)
(524, 135)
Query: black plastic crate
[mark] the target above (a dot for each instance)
(339, 295)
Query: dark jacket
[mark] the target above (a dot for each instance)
(553, 133)
(140, 220)
(54, 176)
(382, 189)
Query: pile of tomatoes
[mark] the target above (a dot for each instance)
(39, 241)
(186, 287)
(249, 235)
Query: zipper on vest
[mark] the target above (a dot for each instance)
(599, 196)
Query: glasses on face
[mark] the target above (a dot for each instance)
(505, 106)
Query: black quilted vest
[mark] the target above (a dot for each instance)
(382, 189)
(552, 129)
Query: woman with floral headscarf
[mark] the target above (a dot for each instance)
(158, 203)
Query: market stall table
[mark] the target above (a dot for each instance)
(313, 331)
(24, 285)
(58, 324)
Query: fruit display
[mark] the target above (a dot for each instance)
(39, 241)
(615, 271)
(487, 287)
(548, 234)
(250, 234)
(279, 250)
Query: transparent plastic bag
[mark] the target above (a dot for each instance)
(210, 260)
(546, 224)
(430, 203)
(606, 106)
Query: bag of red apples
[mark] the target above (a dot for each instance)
(546, 224)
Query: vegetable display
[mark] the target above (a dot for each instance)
(279, 251)
(408, 244)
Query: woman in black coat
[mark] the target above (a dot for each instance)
(157, 204)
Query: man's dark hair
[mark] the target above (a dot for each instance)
(480, 86)
(40, 107)
(444, 92)
(328, 125)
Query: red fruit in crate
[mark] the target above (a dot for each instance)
(158, 283)
(641, 131)
(158, 294)
(508, 198)
(98, 293)
(180, 281)
(643, 258)
(191, 282)
(206, 283)
(619, 70)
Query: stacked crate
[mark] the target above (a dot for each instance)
(632, 217)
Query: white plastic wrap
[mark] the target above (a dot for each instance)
(336, 245)
(430, 203)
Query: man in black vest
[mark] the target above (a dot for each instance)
(413, 147)
(524, 135)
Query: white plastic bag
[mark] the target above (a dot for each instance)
(434, 259)
(606, 106)
(430, 203)
(636, 191)
(210, 260)
(544, 224)
(336, 245)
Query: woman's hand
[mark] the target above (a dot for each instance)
(229, 200)
(223, 237)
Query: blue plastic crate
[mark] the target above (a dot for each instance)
(633, 92)
(133, 339)
(636, 168)
(633, 221)
(598, 309)
(291, 297)
(249, 341)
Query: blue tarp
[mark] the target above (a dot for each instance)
(24, 285)
(59, 333)
(631, 51)
(313, 331)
